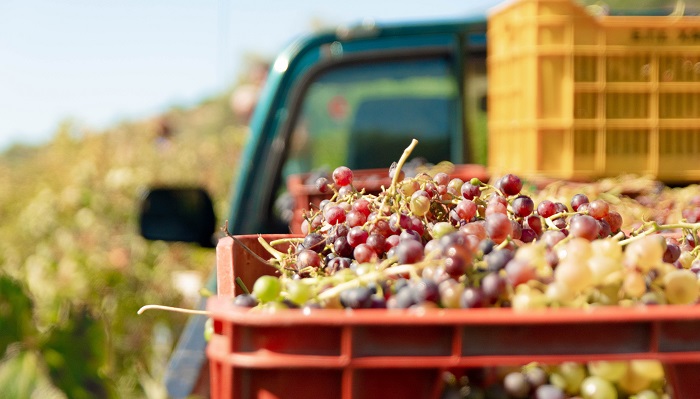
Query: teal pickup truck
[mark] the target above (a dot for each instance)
(352, 97)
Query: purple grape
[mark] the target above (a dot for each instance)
(511, 184)
(425, 290)
(336, 264)
(314, 242)
(472, 298)
(577, 200)
(548, 391)
(546, 208)
(523, 206)
(342, 247)
(409, 251)
(245, 301)
(470, 191)
(357, 236)
(498, 259)
(356, 298)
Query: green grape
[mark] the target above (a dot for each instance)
(528, 300)
(441, 229)
(646, 394)
(634, 285)
(272, 307)
(298, 291)
(608, 248)
(579, 249)
(595, 387)
(533, 253)
(267, 288)
(571, 375)
(681, 287)
(420, 205)
(574, 274)
(649, 369)
(559, 293)
(408, 187)
(208, 329)
(456, 184)
(603, 266)
(686, 259)
(646, 253)
(450, 293)
(606, 294)
(610, 370)
(632, 382)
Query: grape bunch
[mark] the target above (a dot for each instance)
(437, 241)
(602, 379)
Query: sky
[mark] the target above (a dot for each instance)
(99, 62)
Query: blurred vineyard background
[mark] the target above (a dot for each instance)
(74, 269)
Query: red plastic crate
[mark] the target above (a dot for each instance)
(371, 180)
(370, 353)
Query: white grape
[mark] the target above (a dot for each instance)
(681, 287)
(610, 370)
(595, 387)
(574, 274)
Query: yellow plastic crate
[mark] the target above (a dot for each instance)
(576, 96)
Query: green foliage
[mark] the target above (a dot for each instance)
(74, 354)
(73, 268)
(15, 313)
(21, 377)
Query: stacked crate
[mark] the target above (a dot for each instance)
(577, 96)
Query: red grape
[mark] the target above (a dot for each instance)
(511, 184)
(577, 200)
(498, 227)
(584, 226)
(546, 208)
(342, 176)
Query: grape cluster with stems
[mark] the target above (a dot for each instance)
(436, 241)
(600, 379)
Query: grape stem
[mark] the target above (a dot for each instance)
(404, 157)
(397, 172)
(549, 221)
(274, 252)
(655, 227)
(242, 286)
(504, 243)
(173, 309)
(286, 240)
(239, 242)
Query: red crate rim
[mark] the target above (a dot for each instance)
(221, 308)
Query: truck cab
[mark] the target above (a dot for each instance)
(357, 97)
(353, 96)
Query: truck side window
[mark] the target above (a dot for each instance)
(364, 116)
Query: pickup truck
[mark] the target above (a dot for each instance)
(353, 96)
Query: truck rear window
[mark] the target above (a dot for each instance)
(364, 116)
